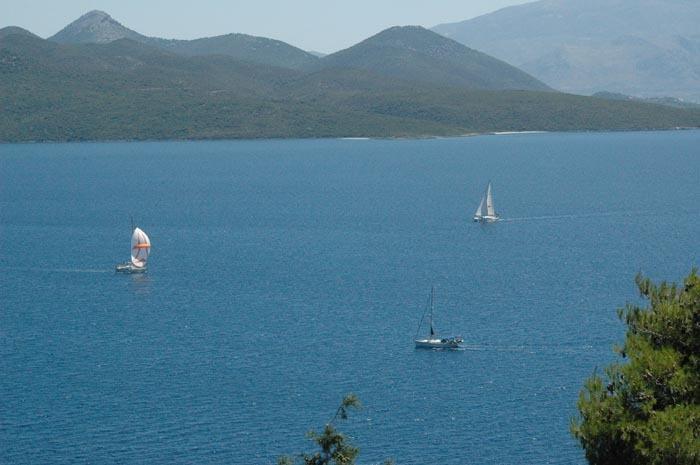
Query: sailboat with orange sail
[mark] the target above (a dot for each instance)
(140, 249)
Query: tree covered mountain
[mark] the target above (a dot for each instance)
(6, 31)
(126, 89)
(98, 27)
(412, 53)
(644, 48)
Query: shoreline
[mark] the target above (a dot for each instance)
(347, 138)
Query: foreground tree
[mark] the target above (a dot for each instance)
(647, 410)
(335, 448)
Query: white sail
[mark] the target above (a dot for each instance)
(479, 210)
(486, 212)
(489, 202)
(140, 248)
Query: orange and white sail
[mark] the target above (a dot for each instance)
(140, 248)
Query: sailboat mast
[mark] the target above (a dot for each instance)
(432, 306)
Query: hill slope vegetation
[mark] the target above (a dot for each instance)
(413, 53)
(100, 28)
(126, 89)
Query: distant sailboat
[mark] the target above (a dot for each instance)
(486, 213)
(140, 248)
(433, 341)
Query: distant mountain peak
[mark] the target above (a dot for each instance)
(95, 15)
(416, 38)
(98, 27)
(584, 46)
(413, 53)
(95, 26)
(402, 32)
(407, 28)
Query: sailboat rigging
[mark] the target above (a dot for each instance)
(433, 341)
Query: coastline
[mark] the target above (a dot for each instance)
(346, 138)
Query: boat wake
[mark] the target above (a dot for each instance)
(575, 216)
(548, 217)
(528, 349)
(58, 270)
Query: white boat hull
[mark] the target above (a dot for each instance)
(129, 268)
(486, 219)
(446, 343)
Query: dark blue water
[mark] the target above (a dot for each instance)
(285, 274)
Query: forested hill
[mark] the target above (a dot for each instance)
(98, 27)
(126, 89)
(413, 53)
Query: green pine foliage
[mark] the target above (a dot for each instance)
(334, 447)
(647, 411)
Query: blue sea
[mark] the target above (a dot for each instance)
(285, 274)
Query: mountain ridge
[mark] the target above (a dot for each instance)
(417, 54)
(409, 53)
(99, 27)
(644, 48)
(95, 26)
(9, 30)
(127, 90)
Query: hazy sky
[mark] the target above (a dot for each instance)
(321, 25)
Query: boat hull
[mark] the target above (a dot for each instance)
(486, 219)
(129, 268)
(449, 343)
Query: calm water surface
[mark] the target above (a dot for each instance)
(285, 274)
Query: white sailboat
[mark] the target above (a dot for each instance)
(433, 341)
(486, 213)
(140, 249)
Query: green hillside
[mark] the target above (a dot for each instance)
(6, 31)
(97, 27)
(242, 47)
(128, 90)
(412, 53)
